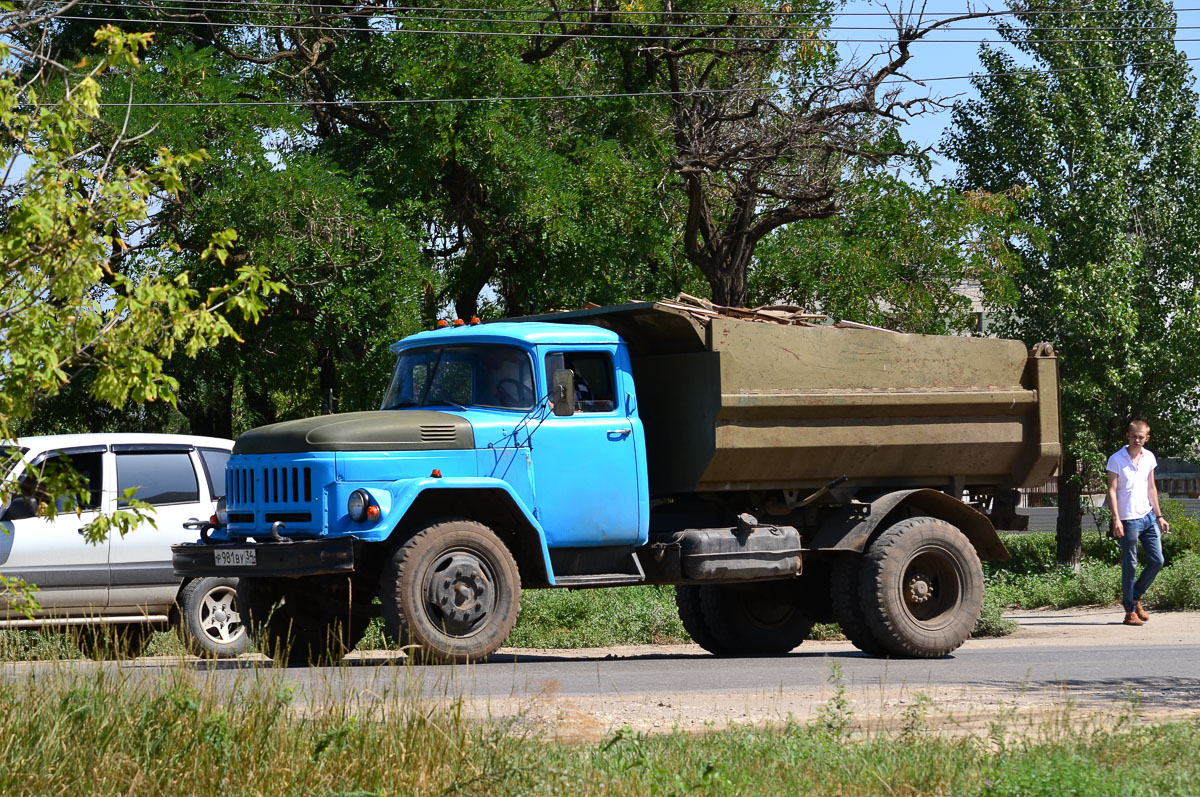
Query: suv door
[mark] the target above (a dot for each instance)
(71, 575)
(142, 579)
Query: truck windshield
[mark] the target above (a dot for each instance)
(474, 375)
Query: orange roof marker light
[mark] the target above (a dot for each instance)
(458, 322)
(437, 473)
(474, 320)
(442, 323)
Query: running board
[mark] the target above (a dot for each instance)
(599, 580)
(580, 581)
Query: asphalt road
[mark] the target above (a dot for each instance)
(1083, 662)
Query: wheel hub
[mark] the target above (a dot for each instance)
(460, 593)
(920, 589)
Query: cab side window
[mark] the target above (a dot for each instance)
(160, 477)
(595, 383)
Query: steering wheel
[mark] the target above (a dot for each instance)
(514, 393)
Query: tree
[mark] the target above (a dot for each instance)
(70, 215)
(898, 256)
(1101, 132)
(768, 125)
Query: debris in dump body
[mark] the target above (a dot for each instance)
(702, 309)
(771, 313)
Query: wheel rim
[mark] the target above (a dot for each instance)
(932, 586)
(767, 610)
(460, 592)
(219, 620)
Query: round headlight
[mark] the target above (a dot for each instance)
(222, 512)
(356, 507)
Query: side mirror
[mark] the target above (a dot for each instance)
(562, 391)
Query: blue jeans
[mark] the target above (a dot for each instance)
(1146, 530)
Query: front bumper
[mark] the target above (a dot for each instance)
(294, 558)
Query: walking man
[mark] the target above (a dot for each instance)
(1133, 499)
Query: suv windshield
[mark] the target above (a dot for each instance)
(475, 375)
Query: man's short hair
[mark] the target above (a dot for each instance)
(1138, 426)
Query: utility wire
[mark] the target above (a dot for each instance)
(662, 13)
(626, 95)
(588, 36)
(366, 12)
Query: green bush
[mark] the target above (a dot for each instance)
(1178, 586)
(559, 618)
(1185, 531)
(992, 621)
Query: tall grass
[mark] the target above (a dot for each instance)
(108, 732)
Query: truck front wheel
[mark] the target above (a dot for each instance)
(301, 622)
(922, 588)
(452, 591)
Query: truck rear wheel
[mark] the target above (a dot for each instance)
(300, 624)
(845, 594)
(922, 588)
(754, 619)
(453, 591)
(687, 602)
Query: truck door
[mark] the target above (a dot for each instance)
(585, 474)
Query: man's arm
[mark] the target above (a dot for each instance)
(1118, 527)
(1152, 489)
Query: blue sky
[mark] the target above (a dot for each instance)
(941, 55)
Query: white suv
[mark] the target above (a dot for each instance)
(125, 582)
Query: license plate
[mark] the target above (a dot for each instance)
(235, 557)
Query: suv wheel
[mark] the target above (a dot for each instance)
(210, 617)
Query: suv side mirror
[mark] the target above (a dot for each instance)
(562, 391)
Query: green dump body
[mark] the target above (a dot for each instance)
(732, 405)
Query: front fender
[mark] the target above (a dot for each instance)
(403, 495)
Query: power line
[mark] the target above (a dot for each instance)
(251, 7)
(662, 13)
(589, 36)
(625, 95)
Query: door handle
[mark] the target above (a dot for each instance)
(621, 431)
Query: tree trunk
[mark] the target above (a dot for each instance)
(1069, 532)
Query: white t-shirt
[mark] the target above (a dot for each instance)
(1133, 483)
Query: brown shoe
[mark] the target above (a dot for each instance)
(1131, 618)
(1140, 611)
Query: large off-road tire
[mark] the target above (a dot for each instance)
(922, 588)
(210, 620)
(301, 621)
(755, 619)
(845, 594)
(687, 602)
(452, 592)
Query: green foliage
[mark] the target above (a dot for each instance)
(77, 295)
(897, 257)
(558, 618)
(1106, 160)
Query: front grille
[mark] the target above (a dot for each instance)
(241, 517)
(438, 433)
(270, 485)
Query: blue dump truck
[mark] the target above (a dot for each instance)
(777, 474)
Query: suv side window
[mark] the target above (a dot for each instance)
(595, 385)
(161, 477)
(88, 464)
(215, 460)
